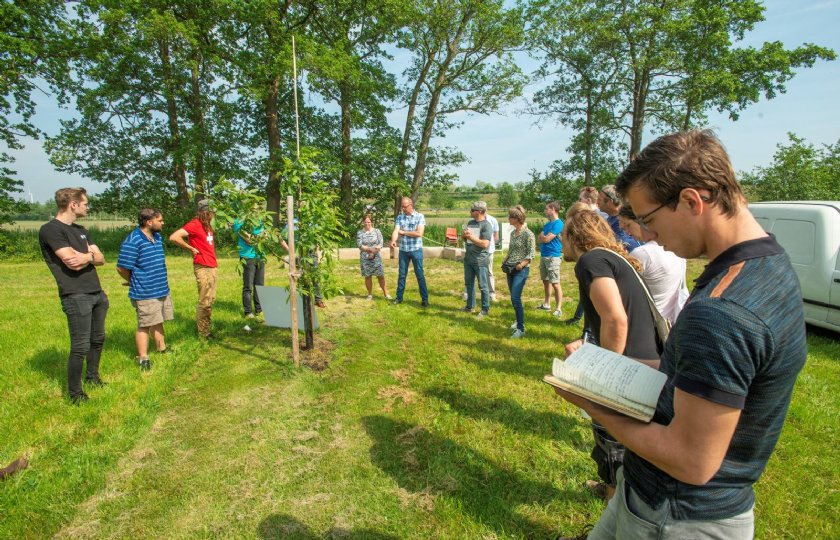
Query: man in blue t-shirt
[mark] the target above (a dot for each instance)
(731, 359)
(551, 255)
(253, 265)
(142, 264)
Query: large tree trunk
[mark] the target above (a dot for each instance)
(641, 84)
(272, 188)
(197, 113)
(173, 148)
(422, 152)
(409, 120)
(346, 182)
(587, 164)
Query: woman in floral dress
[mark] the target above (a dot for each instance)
(369, 241)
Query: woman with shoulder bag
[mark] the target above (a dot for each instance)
(517, 265)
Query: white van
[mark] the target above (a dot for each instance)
(810, 233)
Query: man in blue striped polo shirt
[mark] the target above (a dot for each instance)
(141, 263)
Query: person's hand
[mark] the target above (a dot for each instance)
(195, 251)
(77, 261)
(393, 243)
(573, 346)
(575, 399)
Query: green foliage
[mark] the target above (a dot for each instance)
(621, 69)
(560, 184)
(506, 195)
(318, 228)
(440, 198)
(35, 49)
(799, 171)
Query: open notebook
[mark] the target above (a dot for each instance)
(609, 379)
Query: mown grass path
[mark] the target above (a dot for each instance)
(426, 424)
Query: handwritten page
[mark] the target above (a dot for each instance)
(611, 375)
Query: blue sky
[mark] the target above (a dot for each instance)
(505, 147)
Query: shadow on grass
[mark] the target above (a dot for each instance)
(513, 415)
(429, 466)
(282, 526)
(52, 363)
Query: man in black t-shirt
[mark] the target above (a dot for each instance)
(71, 256)
(617, 313)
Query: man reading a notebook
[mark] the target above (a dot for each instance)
(731, 359)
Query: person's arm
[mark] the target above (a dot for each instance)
(75, 260)
(529, 240)
(98, 256)
(691, 448)
(414, 234)
(179, 238)
(124, 273)
(359, 243)
(395, 235)
(606, 299)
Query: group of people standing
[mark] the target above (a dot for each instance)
(71, 255)
(732, 356)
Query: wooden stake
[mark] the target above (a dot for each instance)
(294, 87)
(290, 220)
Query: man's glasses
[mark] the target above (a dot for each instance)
(643, 220)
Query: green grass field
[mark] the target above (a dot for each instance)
(424, 424)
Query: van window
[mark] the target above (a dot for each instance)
(798, 239)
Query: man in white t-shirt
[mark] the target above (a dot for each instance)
(490, 249)
(663, 271)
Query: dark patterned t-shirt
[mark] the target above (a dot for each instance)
(739, 342)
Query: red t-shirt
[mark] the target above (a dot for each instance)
(202, 241)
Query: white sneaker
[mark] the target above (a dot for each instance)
(249, 316)
(513, 325)
(370, 297)
(544, 307)
(517, 334)
(557, 313)
(493, 297)
(388, 297)
(464, 296)
(480, 315)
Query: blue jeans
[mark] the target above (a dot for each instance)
(516, 282)
(86, 322)
(471, 271)
(416, 258)
(253, 274)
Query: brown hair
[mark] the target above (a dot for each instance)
(65, 196)
(146, 215)
(576, 208)
(689, 159)
(588, 194)
(555, 205)
(586, 230)
(517, 213)
(626, 211)
(206, 219)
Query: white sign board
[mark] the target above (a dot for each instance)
(506, 230)
(275, 305)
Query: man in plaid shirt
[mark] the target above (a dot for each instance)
(408, 231)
